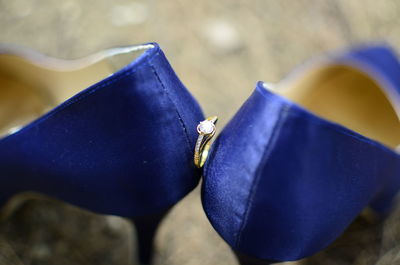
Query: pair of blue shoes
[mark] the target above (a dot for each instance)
(291, 170)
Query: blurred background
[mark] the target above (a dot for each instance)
(219, 49)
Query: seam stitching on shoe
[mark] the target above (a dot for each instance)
(185, 132)
(270, 146)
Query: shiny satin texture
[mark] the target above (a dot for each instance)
(123, 146)
(282, 183)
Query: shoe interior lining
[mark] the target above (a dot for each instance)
(349, 97)
(27, 90)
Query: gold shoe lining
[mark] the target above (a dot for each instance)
(29, 88)
(349, 97)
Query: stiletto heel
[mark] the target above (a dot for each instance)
(146, 228)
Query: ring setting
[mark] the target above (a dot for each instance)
(206, 130)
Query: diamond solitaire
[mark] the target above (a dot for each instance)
(206, 130)
(206, 127)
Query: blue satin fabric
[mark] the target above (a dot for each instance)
(123, 146)
(282, 183)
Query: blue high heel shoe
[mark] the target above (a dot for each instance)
(120, 147)
(296, 165)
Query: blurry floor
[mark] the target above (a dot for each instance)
(219, 49)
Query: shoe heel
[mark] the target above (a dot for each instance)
(247, 260)
(146, 228)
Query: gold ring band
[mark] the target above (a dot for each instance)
(206, 130)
